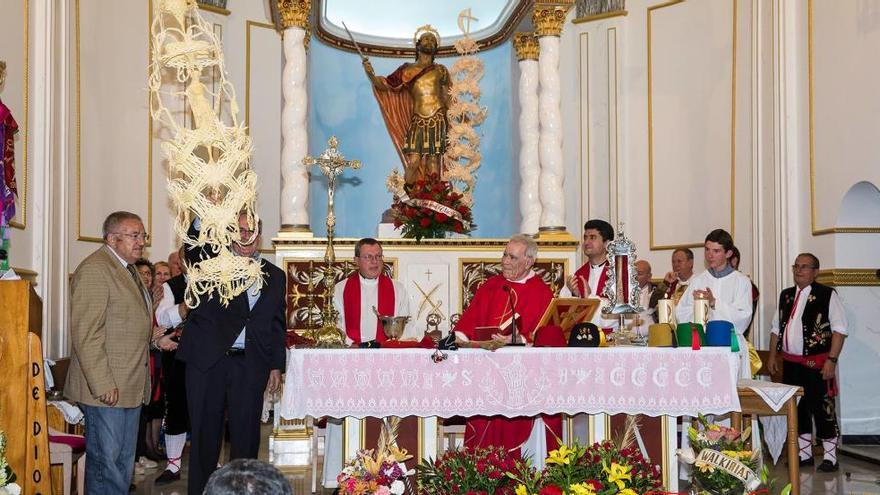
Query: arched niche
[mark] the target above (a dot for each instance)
(859, 401)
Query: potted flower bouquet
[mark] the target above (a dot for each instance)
(380, 471)
(8, 486)
(431, 208)
(723, 465)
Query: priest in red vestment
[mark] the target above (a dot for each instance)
(589, 280)
(517, 293)
(354, 298)
(357, 295)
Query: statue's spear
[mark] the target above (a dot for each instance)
(358, 47)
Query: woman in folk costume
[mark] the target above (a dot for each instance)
(368, 288)
(491, 307)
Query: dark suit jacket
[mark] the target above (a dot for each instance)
(211, 329)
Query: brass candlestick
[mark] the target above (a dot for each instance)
(332, 164)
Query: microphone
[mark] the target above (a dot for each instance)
(514, 339)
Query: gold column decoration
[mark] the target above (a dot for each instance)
(295, 13)
(526, 46)
(549, 17)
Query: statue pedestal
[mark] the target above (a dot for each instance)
(440, 275)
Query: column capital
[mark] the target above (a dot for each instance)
(549, 17)
(526, 45)
(295, 13)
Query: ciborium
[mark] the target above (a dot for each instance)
(393, 326)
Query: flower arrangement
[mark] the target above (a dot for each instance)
(479, 471)
(7, 477)
(430, 208)
(722, 463)
(600, 469)
(379, 471)
(607, 468)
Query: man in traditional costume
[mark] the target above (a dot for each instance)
(517, 295)
(171, 314)
(809, 332)
(354, 298)
(728, 291)
(413, 101)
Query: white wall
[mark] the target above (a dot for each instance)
(718, 127)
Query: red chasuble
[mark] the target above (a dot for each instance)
(351, 305)
(490, 307)
(584, 272)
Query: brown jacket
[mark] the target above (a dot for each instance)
(110, 327)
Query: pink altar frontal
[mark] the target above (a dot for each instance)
(509, 382)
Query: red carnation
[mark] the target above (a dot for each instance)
(425, 222)
(463, 209)
(397, 223)
(458, 228)
(550, 490)
(440, 217)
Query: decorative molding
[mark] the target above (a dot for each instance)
(613, 124)
(149, 223)
(810, 66)
(653, 246)
(849, 277)
(584, 116)
(599, 17)
(526, 46)
(549, 17)
(25, 274)
(26, 70)
(491, 41)
(247, 69)
(476, 244)
(213, 8)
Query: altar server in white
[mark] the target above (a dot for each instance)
(728, 291)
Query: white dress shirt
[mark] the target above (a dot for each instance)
(794, 341)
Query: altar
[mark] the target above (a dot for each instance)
(440, 275)
(658, 382)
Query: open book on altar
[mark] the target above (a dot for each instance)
(566, 312)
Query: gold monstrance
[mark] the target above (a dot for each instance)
(332, 163)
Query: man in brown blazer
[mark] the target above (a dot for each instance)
(110, 328)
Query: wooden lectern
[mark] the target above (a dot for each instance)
(22, 396)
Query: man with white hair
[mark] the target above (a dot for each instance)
(517, 294)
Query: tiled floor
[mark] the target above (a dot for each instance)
(856, 477)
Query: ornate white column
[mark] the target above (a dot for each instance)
(294, 133)
(548, 19)
(527, 50)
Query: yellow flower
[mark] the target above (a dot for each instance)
(582, 489)
(562, 455)
(745, 454)
(617, 474)
(521, 490)
(730, 453)
(705, 467)
(627, 491)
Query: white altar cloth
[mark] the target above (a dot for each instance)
(509, 382)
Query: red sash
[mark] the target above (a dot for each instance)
(814, 362)
(584, 272)
(351, 305)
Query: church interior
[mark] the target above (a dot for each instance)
(667, 119)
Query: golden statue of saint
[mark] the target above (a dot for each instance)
(413, 100)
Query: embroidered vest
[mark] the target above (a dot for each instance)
(815, 323)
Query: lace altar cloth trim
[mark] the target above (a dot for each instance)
(509, 382)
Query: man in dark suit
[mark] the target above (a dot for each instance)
(232, 354)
